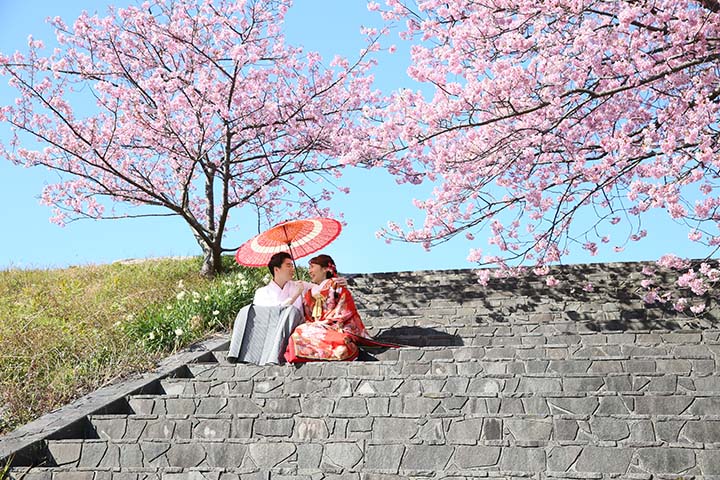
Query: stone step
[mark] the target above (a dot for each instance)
(510, 351)
(410, 384)
(370, 457)
(507, 429)
(437, 404)
(456, 366)
(174, 473)
(567, 321)
(620, 343)
(429, 334)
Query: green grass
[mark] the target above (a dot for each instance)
(68, 332)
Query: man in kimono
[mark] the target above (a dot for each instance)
(261, 330)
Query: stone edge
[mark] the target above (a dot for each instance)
(30, 435)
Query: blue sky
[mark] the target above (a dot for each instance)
(29, 240)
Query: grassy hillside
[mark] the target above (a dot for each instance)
(66, 332)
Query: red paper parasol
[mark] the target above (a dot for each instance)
(298, 237)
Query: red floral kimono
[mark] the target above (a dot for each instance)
(332, 328)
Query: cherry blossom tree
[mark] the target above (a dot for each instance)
(551, 124)
(188, 108)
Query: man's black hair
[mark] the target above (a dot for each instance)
(277, 260)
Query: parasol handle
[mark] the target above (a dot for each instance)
(289, 246)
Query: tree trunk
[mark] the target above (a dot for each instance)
(212, 260)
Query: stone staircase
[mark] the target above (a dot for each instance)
(515, 380)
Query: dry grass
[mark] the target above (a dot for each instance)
(67, 332)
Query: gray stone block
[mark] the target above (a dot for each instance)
(641, 366)
(383, 458)
(576, 406)
(92, 453)
(565, 430)
(603, 460)
(153, 454)
(457, 385)
(704, 406)
(464, 432)
(241, 428)
(306, 428)
(432, 432)
(360, 424)
(681, 367)
(378, 406)
(111, 459)
(426, 457)
(538, 385)
(76, 475)
(225, 455)
(263, 387)
(605, 428)
(582, 384)
(560, 459)
(159, 429)
(668, 431)
(535, 405)
(568, 367)
(281, 406)
(241, 406)
(467, 457)
(642, 431)
(662, 405)
(492, 429)
(666, 460)
(707, 384)
(529, 430)
(297, 386)
(317, 407)
(186, 455)
(273, 427)
(345, 455)
(351, 407)
(131, 455)
(615, 406)
(211, 429)
(606, 366)
(619, 383)
(704, 431)
(65, 452)
(709, 462)
(341, 387)
(419, 405)
(309, 456)
(270, 455)
(112, 428)
(522, 459)
(390, 428)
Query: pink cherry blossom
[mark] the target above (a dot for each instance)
(549, 126)
(200, 107)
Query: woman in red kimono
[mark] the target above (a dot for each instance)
(332, 328)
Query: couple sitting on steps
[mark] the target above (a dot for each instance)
(297, 321)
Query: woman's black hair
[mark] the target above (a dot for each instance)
(325, 261)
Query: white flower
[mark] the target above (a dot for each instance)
(216, 312)
(151, 335)
(178, 332)
(195, 294)
(181, 295)
(168, 307)
(180, 285)
(207, 298)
